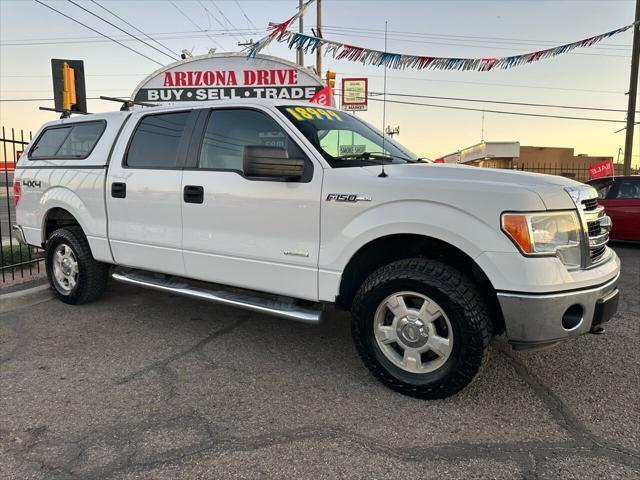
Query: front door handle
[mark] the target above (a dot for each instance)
(118, 190)
(193, 194)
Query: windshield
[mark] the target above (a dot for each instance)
(343, 139)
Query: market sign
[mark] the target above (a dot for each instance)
(227, 76)
(355, 93)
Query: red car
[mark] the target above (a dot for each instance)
(620, 196)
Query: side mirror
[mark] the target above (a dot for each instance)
(271, 162)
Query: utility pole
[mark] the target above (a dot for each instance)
(319, 34)
(299, 52)
(633, 92)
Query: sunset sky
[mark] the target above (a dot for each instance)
(593, 77)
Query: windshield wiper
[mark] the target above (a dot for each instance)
(373, 156)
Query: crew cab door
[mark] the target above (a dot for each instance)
(144, 191)
(260, 234)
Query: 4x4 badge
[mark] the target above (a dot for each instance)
(347, 197)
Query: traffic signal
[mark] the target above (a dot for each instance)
(68, 87)
(69, 91)
(331, 80)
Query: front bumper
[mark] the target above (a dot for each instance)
(538, 320)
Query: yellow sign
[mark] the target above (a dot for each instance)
(311, 113)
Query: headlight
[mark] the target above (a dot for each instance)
(546, 234)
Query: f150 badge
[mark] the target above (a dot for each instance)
(347, 197)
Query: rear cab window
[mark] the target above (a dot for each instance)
(73, 141)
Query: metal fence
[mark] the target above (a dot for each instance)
(16, 261)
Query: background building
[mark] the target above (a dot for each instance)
(553, 160)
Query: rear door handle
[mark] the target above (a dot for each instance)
(193, 194)
(118, 190)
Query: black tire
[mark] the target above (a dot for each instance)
(458, 298)
(92, 276)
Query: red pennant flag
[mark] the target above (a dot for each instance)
(601, 169)
(323, 97)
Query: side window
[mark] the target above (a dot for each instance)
(81, 140)
(229, 131)
(603, 189)
(156, 140)
(628, 190)
(73, 141)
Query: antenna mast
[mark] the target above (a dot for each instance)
(384, 101)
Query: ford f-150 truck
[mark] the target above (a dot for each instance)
(281, 208)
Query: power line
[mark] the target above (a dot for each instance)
(37, 99)
(137, 29)
(249, 21)
(225, 17)
(452, 107)
(210, 15)
(124, 38)
(194, 23)
(499, 111)
(503, 102)
(121, 29)
(98, 32)
(485, 83)
(158, 34)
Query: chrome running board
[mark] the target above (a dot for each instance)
(276, 306)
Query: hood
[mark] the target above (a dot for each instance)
(469, 173)
(550, 188)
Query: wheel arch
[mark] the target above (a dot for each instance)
(392, 247)
(57, 217)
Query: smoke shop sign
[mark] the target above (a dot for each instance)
(228, 76)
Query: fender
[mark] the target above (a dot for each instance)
(437, 220)
(90, 217)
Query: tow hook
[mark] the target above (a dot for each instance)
(598, 330)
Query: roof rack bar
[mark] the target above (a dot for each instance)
(65, 113)
(126, 103)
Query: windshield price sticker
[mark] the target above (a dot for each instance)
(311, 113)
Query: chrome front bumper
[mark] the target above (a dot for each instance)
(537, 320)
(18, 234)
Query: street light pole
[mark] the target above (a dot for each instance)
(633, 92)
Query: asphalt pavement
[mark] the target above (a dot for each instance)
(147, 385)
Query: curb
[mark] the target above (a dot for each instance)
(24, 298)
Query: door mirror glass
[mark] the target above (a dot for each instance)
(271, 162)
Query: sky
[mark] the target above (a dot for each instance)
(30, 35)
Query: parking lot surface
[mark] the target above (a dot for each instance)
(148, 385)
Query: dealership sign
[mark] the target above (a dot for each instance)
(228, 76)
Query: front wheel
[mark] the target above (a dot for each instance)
(421, 327)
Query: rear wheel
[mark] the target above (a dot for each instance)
(421, 327)
(74, 275)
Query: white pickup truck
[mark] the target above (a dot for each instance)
(281, 208)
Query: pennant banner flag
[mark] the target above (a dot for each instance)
(367, 56)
